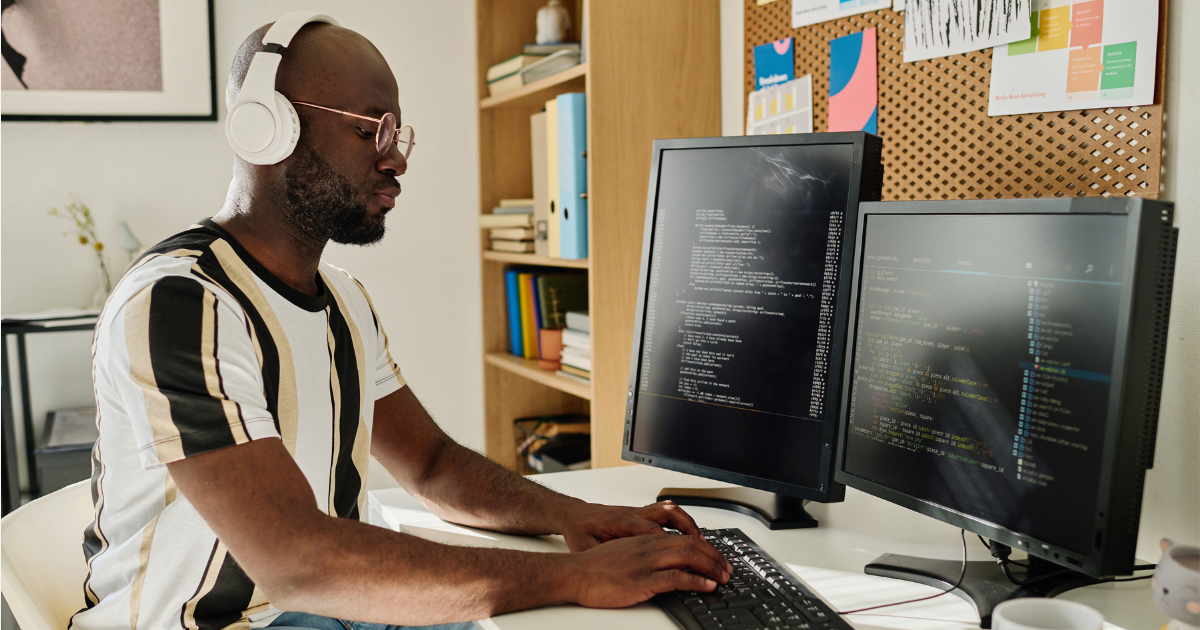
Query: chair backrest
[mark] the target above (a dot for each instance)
(41, 560)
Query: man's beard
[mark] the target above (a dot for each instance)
(322, 202)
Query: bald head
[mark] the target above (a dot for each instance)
(323, 62)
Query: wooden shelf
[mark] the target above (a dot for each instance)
(530, 93)
(530, 259)
(529, 369)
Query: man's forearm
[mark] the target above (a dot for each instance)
(465, 487)
(351, 570)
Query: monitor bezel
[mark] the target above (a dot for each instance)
(828, 490)
(1096, 562)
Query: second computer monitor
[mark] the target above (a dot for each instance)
(737, 346)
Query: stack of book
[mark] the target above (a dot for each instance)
(577, 347)
(510, 226)
(538, 306)
(535, 63)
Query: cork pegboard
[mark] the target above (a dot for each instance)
(939, 142)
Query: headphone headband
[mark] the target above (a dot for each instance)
(262, 126)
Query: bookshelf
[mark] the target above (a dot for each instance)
(652, 71)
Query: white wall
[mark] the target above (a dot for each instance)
(1171, 507)
(160, 177)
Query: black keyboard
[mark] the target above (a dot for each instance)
(761, 593)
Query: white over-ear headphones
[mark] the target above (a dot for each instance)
(262, 126)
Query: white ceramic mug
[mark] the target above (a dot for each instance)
(1036, 613)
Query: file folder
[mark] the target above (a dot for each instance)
(552, 176)
(572, 175)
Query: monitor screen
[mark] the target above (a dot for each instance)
(982, 364)
(732, 368)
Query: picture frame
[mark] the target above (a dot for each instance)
(166, 73)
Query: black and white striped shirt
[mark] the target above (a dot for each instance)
(201, 348)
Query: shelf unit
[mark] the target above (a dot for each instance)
(652, 71)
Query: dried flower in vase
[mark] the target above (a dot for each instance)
(85, 231)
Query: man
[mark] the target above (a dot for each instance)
(241, 382)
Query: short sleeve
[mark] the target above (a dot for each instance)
(189, 379)
(388, 378)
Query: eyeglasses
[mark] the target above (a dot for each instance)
(386, 134)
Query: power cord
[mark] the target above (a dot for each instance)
(962, 575)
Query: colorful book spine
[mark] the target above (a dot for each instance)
(552, 227)
(537, 316)
(528, 323)
(572, 175)
(515, 336)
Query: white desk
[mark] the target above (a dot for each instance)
(830, 557)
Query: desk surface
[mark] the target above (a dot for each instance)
(830, 557)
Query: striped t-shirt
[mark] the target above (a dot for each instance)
(201, 348)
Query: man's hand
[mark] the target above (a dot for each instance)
(631, 570)
(590, 524)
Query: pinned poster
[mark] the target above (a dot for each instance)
(1081, 54)
(784, 108)
(937, 28)
(774, 63)
(806, 12)
(853, 86)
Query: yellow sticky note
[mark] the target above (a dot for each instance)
(774, 106)
(758, 111)
(789, 103)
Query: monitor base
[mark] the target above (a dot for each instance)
(985, 584)
(776, 511)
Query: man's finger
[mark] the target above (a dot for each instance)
(676, 517)
(676, 580)
(690, 555)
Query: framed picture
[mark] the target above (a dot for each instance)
(107, 60)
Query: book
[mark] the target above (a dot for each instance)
(512, 210)
(508, 83)
(577, 339)
(513, 64)
(575, 361)
(559, 293)
(537, 316)
(572, 175)
(513, 247)
(514, 313)
(577, 372)
(528, 324)
(577, 353)
(516, 203)
(549, 65)
(487, 221)
(552, 178)
(547, 49)
(579, 320)
(511, 234)
(541, 204)
(574, 377)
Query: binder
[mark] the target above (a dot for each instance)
(572, 175)
(552, 222)
(515, 336)
(541, 202)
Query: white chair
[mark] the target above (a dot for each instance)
(41, 559)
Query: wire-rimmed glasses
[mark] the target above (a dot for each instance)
(386, 134)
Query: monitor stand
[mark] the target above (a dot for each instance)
(776, 511)
(985, 584)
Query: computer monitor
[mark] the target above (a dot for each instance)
(1002, 375)
(741, 311)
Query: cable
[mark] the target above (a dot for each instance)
(962, 575)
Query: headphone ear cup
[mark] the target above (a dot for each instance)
(287, 126)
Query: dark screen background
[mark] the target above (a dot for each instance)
(756, 420)
(982, 365)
